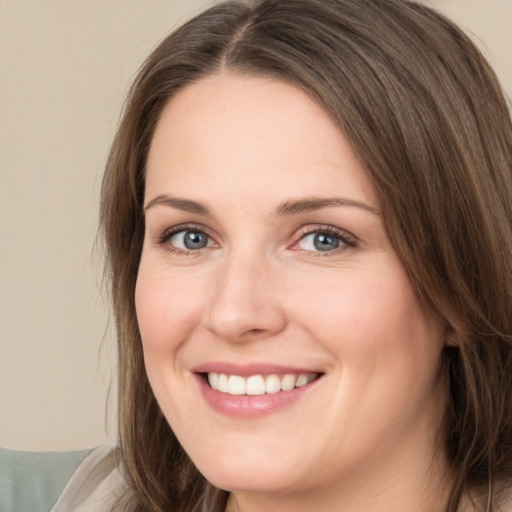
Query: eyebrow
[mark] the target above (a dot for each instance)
(187, 205)
(291, 207)
(294, 207)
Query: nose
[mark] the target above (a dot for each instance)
(245, 302)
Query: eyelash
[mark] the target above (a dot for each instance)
(167, 235)
(347, 240)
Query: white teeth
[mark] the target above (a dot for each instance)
(213, 380)
(236, 385)
(258, 384)
(302, 380)
(223, 383)
(288, 382)
(255, 385)
(272, 384)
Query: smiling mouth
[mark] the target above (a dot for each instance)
(254, 385)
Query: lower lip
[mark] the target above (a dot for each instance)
(251, 406)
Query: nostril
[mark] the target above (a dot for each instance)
(255, 331)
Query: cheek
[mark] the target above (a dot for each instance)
(167, 312)
(167, 308)
(365, 316)
(387, 352)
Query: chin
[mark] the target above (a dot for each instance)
(249, 482)
(246, 475)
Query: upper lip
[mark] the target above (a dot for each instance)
(245, 370)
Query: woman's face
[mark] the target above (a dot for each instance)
(267, 269)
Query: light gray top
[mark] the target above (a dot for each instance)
(95, 485)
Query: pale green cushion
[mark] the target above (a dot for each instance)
(32, 481)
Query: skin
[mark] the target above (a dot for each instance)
(364, 436)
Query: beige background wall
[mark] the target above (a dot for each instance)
(64, 69)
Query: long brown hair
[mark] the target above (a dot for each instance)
(426, 115)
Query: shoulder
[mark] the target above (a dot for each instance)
(477, 500)
(505, 498)
(95, 485)
(33, 480)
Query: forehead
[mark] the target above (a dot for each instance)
(248, 132)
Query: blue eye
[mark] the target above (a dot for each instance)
(320, 242)
(190, 240)
(325, 239)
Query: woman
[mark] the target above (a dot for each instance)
(308, 221)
